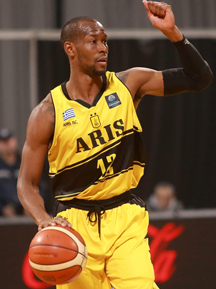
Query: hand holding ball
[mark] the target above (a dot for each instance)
(57, 254)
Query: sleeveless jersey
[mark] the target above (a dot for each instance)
(97, 150)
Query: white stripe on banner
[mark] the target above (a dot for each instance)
(69, 113)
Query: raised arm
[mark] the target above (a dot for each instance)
(40, 130)
(194, 75)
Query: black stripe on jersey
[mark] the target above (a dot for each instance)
(106, 178)
(96, 154)
(100, 181)
(129, 151)
(122, 172)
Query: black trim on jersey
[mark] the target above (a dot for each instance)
(82, 102)
(52, 137)
(64, 89)
(101, 91)
(125, 133)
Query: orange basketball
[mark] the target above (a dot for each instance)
(57, 254)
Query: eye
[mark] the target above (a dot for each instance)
(93, 41)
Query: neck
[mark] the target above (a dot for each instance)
(84, 87)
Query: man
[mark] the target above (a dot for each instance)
(9, 169)
(164, 199)
(10, 162)
(91, 131)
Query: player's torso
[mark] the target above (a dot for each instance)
(92, 154)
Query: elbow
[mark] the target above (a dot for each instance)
(20, 189)
(204, 80)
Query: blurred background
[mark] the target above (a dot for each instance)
(179, 131)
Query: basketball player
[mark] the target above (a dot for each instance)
(91, 131)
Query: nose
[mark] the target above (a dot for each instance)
(102, 47)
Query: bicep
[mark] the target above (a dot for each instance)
(141, 81)
(39, 131)
(152, 83)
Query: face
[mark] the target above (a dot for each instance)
(8, 146)
(92, 49)
(164, 196)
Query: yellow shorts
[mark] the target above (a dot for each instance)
(120, 257)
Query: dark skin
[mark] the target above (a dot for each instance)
(88, 61)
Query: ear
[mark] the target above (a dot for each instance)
(69, 48)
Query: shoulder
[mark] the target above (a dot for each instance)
(133, 79)
(44, 109)
(123, 75)
(46, 105)
(41, 122)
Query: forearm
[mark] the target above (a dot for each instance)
(32, 202)
(173, 34)
(195, 74)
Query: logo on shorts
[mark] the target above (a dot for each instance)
(113, 100)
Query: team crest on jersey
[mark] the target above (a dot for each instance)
(95, 121)
(112, 100)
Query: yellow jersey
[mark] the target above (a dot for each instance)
(97, 151)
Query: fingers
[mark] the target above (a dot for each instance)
(158, 9)
(53, 222)
(146, 5)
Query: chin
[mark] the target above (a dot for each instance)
(99, 72)
(93, 71)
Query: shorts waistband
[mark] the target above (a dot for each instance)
(107, 204)
(98, 207)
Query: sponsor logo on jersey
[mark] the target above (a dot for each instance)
(74, 121)
(95, 121)
(112, 100)
(67, 114)
(67, 123)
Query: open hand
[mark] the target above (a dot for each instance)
(53, 222)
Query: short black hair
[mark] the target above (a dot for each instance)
(71, 29)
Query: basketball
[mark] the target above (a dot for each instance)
(57, 254)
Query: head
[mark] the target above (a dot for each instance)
(8, 143)
(85, 43)
(165, 193)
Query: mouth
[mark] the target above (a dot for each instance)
(102, 60)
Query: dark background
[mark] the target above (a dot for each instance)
(179, 131)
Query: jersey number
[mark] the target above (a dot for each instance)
(106, 166)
